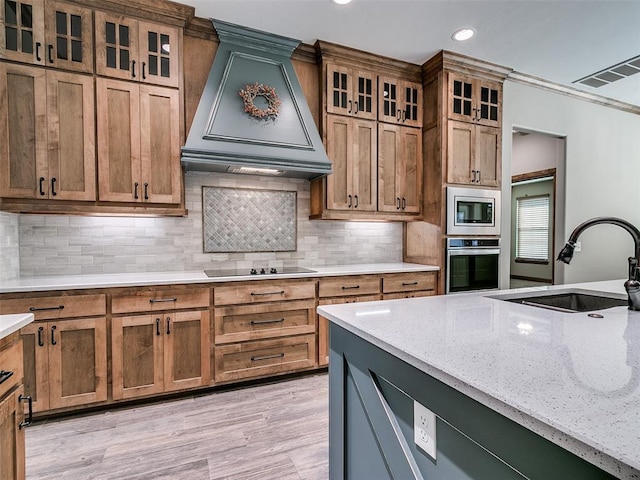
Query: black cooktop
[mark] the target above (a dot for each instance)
(256, 271)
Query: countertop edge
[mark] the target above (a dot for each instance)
(12, 323)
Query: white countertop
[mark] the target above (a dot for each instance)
(572, 379)
(71, 282)
(13, 323)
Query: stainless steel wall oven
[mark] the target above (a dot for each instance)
(472, 264)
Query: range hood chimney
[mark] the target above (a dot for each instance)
(225, 137)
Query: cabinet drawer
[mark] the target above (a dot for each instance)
(408, 282)
(341, 300)
(397, 295)
(266, 357)
(157, 300)
(11, 365)
(263, 292)
(51, 308)
(349, 286)
(254, 322)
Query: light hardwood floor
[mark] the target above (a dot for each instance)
(272, 431)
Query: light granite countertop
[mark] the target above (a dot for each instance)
(13, 323)
(572, 379)
(72, 282)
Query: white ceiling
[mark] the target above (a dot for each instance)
(560, 41)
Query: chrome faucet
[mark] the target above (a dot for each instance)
(632, 285)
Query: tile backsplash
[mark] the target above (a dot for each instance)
(70, 245)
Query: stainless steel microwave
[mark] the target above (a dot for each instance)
(473, 211)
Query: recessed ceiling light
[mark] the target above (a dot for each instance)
(463, 34)
(341, 2)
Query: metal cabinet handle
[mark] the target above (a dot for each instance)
(357, 203)
(157, 327)
(133, 69)
(135, 191)
(163, 300)
(399, 116)
(479, 177)
(350, 106)
(351, 288)
(397, 203)
(50, 53)
(407, 284)
(257, 294)
(404, 116)
(53, 335)
(264, 322)
(404, 203)
(40, 342)
(5, 375)
(38, 57)
(350, 201)
(473, 173)
(146, 191)
(144, 75)
(168, 325)
(41, 186)
(357, 107)
(29, 400)
(53, 186)
(267, 357)
(42, 309)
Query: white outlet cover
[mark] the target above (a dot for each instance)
(424, 429)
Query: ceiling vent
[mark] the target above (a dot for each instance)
(612, 74)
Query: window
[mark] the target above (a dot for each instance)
(532, 229)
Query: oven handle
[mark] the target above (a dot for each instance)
(472, 251)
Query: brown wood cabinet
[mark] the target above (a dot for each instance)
(49, 33)
(163, 350)
(400, 101)
(138, 143)
(399, 169)
(12, 436)
(130, 49)
(474, 100)
(473, 154)
(409, 285)
(46, 134)
(351, 91)
(351, 145)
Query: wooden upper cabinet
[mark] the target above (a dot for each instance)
(129, 49)
(351, 147)
(399, 169)
(54, 34)
(351, 92)
(138, 143)
(399, 101)
(47, 134)
(474, 100)
(473, 154)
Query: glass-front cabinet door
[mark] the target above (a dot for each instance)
(22, 38)
(117, 46)
(159, 47)
(400, 102)
(474, 100)
(69, 37)
(351, 92)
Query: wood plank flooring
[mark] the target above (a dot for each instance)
(273, 431)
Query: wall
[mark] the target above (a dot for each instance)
(9, 252)
(68, 245)
(602, 173)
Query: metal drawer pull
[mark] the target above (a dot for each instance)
(4, 376)
(267, 357)
(42, 309)
(262, 322)
(256, 294)
(350, 288)
(40, 342)
(406, 284)
(161, 300)
(157, 327)
(28, 399)
(168, 325)
(53, 335)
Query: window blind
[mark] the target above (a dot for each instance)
(532, 227)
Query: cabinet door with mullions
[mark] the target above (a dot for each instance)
(116, 46)
(69, 37)
(22, 36)
(159, 46)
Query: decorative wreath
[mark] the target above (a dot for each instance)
(250, 92)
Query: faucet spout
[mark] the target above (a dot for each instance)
(632, 285)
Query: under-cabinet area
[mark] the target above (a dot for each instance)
(94, 347)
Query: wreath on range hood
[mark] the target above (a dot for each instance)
(251, 92)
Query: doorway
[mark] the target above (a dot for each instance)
(537, 208)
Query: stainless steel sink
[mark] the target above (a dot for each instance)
(570, 300)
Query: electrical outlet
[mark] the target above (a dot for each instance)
(577, 247)
(424, 429)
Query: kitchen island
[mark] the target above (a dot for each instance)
(518, 391)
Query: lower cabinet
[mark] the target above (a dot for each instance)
(408, 285)
(65, 362)
(12, 454)
(161, 352)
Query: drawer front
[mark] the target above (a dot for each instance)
(263, 358)
(255, 322)
(408, 282)
(263, 292)
(356, 285)
(339, 301)
(11, 365)
(397, 295)
(52, 308)
(160, 300)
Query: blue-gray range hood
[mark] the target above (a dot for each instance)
(224, 138)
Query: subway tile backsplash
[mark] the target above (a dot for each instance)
(71, 245)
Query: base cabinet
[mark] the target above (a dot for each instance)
(12, 453)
